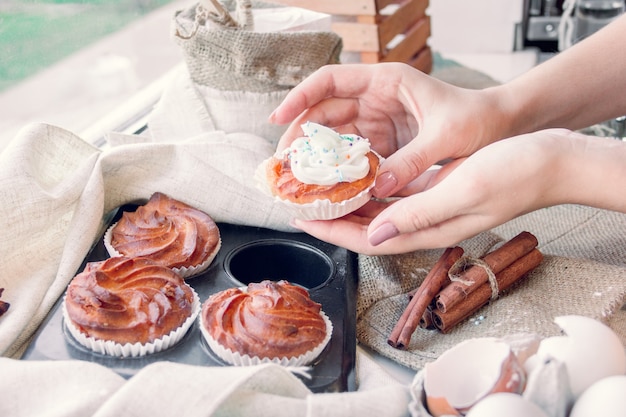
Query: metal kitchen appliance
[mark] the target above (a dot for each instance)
(555, 25)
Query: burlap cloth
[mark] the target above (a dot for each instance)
(584, 272)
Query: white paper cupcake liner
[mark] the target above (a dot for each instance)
(325, 209)
(237, 359)
(111, 348)
(318, 209)
(184, 271)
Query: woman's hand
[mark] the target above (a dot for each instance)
(410, 118)
(467, 196)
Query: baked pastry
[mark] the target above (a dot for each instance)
(168, 231)
(134, 301)
(267, 321)
(324, 175)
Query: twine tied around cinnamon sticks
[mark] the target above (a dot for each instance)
(458, 285)
(455, 274)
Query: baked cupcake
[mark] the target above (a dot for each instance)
(167, 231)
(322, 176)
(265, 322)
(129, 307)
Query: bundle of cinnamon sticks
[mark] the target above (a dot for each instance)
(451, 293)
(4, 306)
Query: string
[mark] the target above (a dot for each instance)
(566, 25)
(214, 11)
(456, 273)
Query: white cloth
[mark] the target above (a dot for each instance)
(78, 389)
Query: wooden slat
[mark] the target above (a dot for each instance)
(357, 37)
(406, 15)
(414, 40)
(423, 61)
(335, 7)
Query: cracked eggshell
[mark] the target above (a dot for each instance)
(506, 404)
(589, 349)
(468, 372)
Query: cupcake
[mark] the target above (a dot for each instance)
(167, 231)
(322, 176)
(129, 307)
(265, 322)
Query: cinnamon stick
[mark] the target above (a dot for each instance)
(496, 260)
(445, 321)
(409, 320)
(427, 320)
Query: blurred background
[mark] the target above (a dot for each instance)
(82, 64)
(74, 62)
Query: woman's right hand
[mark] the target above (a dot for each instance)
(494, 185)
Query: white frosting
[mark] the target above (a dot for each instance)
(325, 157)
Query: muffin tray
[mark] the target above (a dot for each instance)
(248, 254)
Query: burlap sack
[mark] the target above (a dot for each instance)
(583, 272)
(226, 54)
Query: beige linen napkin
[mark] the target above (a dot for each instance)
(78, 389)
(57, 189)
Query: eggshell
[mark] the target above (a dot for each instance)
(505, 404)
(607, 397)
(590, 350)
(469, 371)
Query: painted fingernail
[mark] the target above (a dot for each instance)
(384, 232)
(385, 184)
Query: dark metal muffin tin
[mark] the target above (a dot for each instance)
(248, 254)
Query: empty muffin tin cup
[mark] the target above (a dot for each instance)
(279, 259)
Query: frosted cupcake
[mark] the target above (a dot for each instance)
(129, 307)
(323, 175)
(265, 322)
(167, 231)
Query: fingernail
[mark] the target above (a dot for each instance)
(385, 184)
(384, 232)
(272, 116)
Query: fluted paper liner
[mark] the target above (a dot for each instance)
(237, 359)
(112, 348)
(318, 209)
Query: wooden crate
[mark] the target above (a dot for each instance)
(379, 30)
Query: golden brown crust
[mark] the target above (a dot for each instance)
(269, 320)
(285, 185)
(168, 231)
(128, 300)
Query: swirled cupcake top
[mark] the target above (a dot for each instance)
(325, 157)
(128, 300)
(268, 320)
(168, 231)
